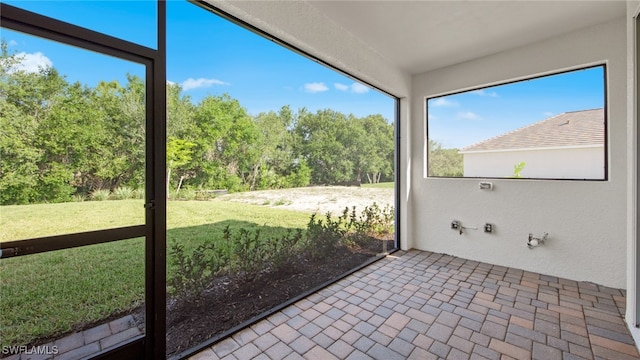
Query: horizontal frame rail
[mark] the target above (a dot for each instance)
(59, 242)
(49, 28)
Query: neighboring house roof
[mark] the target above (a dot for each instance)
(576, 128)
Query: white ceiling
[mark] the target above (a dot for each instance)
(419, 36)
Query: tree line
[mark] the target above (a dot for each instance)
(60, 139)
(444, 162)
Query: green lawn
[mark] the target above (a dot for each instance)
(51, 293)
(385, 185)
(28, 221)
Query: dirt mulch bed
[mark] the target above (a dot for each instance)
(230, 301)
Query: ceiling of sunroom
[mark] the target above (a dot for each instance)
(419, 36)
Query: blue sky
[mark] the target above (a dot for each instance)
(207, 55)
(466, 118)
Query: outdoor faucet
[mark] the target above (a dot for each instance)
(533, 242)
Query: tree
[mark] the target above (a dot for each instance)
(18, 157)
(278, 166)
(179, 154)
(444, 162)
(375, 154)
(323, 143)
(32, 168)
(180, 122)
(60, 139)
(120, 129)
(226, 138)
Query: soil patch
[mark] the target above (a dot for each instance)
(230, 301)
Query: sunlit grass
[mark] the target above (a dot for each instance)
(51, 293)
(385, 185)
(28, 221)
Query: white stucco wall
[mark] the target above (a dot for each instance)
(586, 220)
(558, 163)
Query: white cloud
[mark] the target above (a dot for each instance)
(547, 113)
(315, 87)
(12, 43)
(358, 88)
(169, 82)
(355, 88)
(32, 63)
(485, 93)
(443, 102)
(341, 87)
(468, 115)
(192, 83)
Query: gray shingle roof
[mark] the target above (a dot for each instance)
(576, 128)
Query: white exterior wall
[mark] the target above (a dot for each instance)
(586, 220)
(561, 163)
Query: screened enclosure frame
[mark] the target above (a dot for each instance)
(151, 345)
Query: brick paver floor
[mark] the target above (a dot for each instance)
(423, 305)
(84, 344)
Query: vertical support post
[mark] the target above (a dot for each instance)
(156, 242)
(397, 172)
(637, 171)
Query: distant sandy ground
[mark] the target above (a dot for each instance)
(320, 199)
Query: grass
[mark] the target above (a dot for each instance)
(28, 221)
(51, 293)
(281, 202)
(384, 185)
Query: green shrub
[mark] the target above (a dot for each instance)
(138, 193)
(325, 236)
(280, 202)
(186, 194)
(123, 193)
(194, 272)
(372, 222)
(100, 195)
(284, 250)
(78, 198)
(250, 253)
(203, 195)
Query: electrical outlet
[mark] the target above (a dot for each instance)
(488, 228)
(485, 185)
(455, 225)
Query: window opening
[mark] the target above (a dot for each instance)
(549, 127)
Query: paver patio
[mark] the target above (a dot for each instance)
(84, 344)
(423, 305)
